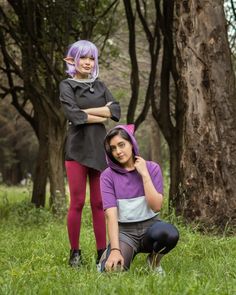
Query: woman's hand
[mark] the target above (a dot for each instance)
(115, 261)
(140, 166)
(95, 119)
(153, 197)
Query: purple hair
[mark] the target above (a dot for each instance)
(82, 48)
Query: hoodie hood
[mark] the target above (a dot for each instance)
(129, 129)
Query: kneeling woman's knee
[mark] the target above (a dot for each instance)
(173, 236)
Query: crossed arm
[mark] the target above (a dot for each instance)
(98, 115)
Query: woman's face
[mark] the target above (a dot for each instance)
(84, 67)
(122, 151)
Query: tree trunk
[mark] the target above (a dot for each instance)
(56, 135)
(12, 175)
(41, 170)
(155, 142)
(206, 190)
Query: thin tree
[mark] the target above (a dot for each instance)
(156, 18)
(151, 29)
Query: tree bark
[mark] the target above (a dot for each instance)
(167, 112)
(206, 190)
(56, 134)
(134, 75)
(155, 142)
(41, 170)
(12, 175)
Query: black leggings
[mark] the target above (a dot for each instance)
(160, 237)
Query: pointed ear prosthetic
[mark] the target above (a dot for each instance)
(69, 60)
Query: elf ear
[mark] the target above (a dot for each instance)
(69, 60)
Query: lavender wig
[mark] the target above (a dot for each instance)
(82, 48)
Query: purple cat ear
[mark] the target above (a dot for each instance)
(130, 128)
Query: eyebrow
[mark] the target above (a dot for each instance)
(117, 143)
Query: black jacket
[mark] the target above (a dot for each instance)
(84, 142)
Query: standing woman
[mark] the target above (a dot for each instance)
(87, 104)
(132, 193)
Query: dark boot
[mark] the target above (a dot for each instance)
(99, 255)
(75, 258)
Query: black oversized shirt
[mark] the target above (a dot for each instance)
(84, 142)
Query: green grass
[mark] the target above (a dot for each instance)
(34, 251)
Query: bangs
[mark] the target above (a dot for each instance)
(86, 48)
(88, 51)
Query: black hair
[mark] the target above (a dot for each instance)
(113, 132)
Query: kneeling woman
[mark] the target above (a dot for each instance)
(132, 193)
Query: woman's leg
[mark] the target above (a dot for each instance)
(99, 224)
(127, 252)
(76, 175)
(159, 239)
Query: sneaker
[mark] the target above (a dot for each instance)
(75, 258)
(151, 263)
(159, 270)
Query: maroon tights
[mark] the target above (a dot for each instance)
(77, 177)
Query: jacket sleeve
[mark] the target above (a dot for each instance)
(72, 112)
(114, 106)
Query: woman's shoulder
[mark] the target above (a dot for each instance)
(153, 166)
(99, 82)
(107, 172)
(108, 175)
(65, 81)
(68, 82)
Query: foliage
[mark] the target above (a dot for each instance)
(33, 259)
(15, 206)
(230, 13)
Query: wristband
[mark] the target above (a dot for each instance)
(115, 249)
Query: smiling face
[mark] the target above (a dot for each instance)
(122, 151)
(82, 60)
(84, 67)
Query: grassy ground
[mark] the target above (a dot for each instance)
(34, 252)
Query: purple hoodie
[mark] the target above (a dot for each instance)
(124, 189)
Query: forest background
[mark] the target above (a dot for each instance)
(171, 64)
